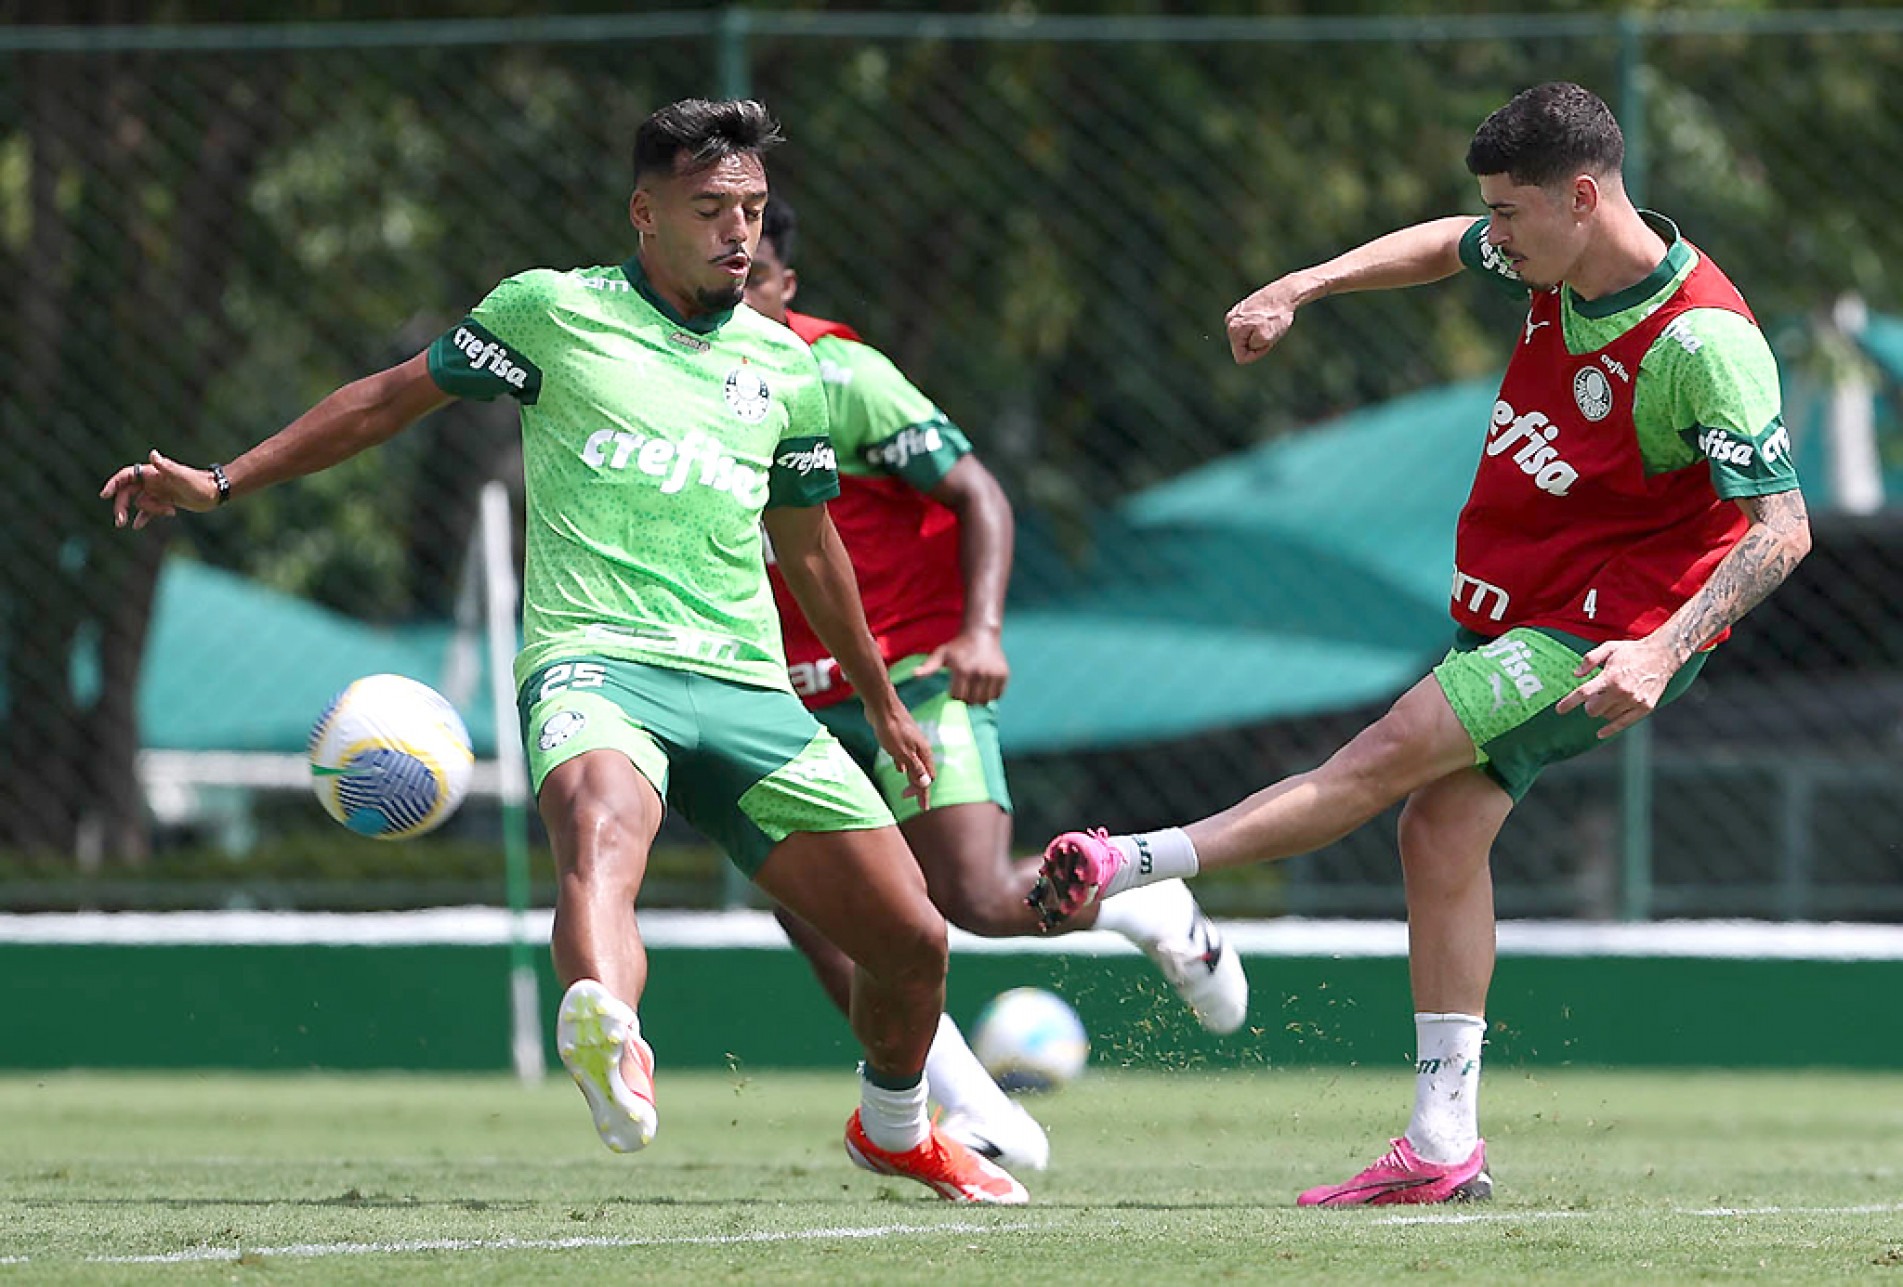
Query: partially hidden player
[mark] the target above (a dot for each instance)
(929, 531)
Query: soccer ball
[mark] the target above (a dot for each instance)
(390, 758)
(1030, 1039)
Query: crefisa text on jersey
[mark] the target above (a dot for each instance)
(1537, 457)
(487, 355)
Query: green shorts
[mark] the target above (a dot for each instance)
(1503, 691)
(746, 766)
(964, 743)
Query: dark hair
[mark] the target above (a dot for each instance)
(704, 131)
(780, 226)
(1548, 134)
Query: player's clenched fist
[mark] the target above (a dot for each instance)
(1259, 322)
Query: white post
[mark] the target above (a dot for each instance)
(1856, 470)
(499, 598)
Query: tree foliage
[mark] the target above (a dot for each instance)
(1045, 233)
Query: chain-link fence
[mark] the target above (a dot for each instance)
(1042, 221)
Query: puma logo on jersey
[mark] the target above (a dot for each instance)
(1531, 438)
(1532, 326)
(697, 458)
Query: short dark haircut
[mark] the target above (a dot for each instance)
(704, 131)
(1548, 134)
(780, 225)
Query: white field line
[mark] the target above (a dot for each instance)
(1488, 1217)
(1497, 1217)
(316, 1250)
(312, 1250)
(1883, 1208)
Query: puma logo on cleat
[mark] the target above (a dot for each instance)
(1211, 955)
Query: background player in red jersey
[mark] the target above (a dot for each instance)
(930, 533)
(1634, 498)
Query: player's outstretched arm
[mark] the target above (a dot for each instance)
(818, 571)
(1633, 673)
(359, 415)
(986, 535)
(1412, 256)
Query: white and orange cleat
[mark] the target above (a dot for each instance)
(1204, 969)
(593, 1033)
(1009, 1136)
(941, 1164)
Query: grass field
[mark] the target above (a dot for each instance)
(1156, 1178)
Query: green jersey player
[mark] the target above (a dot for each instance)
(663, 427)
(1634, 497)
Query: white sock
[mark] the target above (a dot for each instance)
(1446, 1124)
(1151, 856)
(894, 1119)
(1149, 912)
(955, 1078)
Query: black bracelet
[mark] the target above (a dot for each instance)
(224, 484)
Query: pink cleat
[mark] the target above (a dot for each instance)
(1402, 1177)
(1077, 865)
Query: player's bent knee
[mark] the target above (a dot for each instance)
(915, 949)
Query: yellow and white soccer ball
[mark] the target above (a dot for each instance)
(390, 758)
(1030, 1039)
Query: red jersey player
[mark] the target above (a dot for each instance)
(1634, 498)
(929, 532)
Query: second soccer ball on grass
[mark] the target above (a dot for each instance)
(1030, 1040)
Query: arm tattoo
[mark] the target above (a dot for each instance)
(1779, 536)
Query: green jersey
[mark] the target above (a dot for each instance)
(1706, 389)
(651, 445)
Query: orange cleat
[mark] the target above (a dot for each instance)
(941, 1164)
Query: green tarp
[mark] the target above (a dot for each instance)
(231, 665)
(1306, 575)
